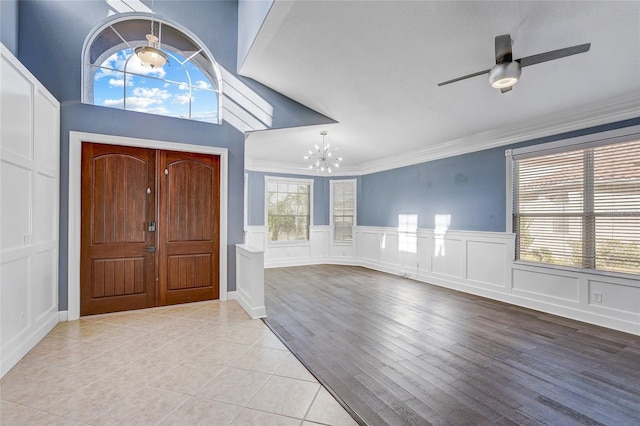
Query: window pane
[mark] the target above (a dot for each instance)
(343, 212)
(288, 216)
(150, 95)
(343, 228)
(618, 244)
(552, 183)
(539, 240)
(580, 208)
(617, 178)
(162, 91)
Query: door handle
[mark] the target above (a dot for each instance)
(151, 249)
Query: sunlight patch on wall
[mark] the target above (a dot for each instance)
(408, 233)
(243, 108)
(126, 6)
(442, 223)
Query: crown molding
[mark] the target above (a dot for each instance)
(295, 169)
(615, 109)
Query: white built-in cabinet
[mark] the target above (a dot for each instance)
(29, 210)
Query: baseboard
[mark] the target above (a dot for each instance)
(232, 295)
(255, 312)
(30, 341)
(63, 316)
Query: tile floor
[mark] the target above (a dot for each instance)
(203, 363)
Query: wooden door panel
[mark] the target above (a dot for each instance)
(117, 277)
(118, 209)
(117, 272)
(189, 207)
(189, 227)
(189, 271)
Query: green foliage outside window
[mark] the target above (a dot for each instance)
(288, 211)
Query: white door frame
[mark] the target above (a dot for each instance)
(75, 190)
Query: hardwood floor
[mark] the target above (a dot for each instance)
(400, 352)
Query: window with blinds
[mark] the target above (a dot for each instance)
(580, 208)
(343, 206)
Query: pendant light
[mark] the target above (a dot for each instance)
(151, 55)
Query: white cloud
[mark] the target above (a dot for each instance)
(201, 84)
(183, 86)
(134, 102)
(114, 102)
(118, 60)
(119, 82)
(143, 98)
(182, 99)
(155, 110)
(154, 93)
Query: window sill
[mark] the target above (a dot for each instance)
(300, 243)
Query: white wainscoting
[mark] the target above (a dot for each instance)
(319, 249)
(250, 280)
(30, 164)
(480, 263)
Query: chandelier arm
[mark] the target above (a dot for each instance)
(322, 158)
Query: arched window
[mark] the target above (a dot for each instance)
(187, 86)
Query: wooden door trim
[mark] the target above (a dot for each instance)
(73, 229)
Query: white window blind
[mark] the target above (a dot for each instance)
(580, 208)
(343, 204)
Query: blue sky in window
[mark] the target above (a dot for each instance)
(162, 91)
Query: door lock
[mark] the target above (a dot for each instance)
(151, 249)
(152, 226)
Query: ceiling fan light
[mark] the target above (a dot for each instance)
(505, 74)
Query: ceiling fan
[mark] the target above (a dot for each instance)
(506, 72)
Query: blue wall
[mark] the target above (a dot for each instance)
(51, 35)
(470, 187)
(9, 25)
(321, 188)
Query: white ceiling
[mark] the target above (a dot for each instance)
(374, 67)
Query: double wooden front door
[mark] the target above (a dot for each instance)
(150, 228)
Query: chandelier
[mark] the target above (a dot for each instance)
(323, 158)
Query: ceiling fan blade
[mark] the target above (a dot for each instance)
(475, 74)
(506, 89)
(554, 54)
(503, 49)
